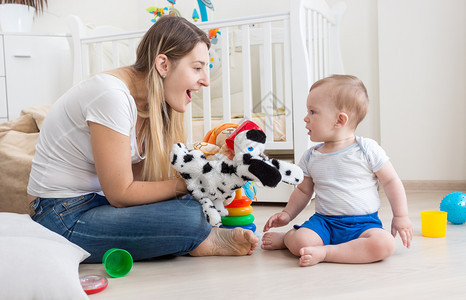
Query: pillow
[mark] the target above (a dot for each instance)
(37, 263)
(18, 140)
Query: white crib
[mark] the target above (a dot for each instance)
(263, 67)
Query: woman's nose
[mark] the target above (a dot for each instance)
(205, 80)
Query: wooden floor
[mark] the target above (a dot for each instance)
(434, 268)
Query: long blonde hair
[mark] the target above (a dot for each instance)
(174, 37)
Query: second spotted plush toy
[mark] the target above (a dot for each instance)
(214, 181)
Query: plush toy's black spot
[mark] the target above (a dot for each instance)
(288, 173)
(179, 145)
(203, 190)
(228, 197)
(245, 178)
(188, 157)
(190, 191)
(200, 182)
(221, 191)
(236, 187)
(223, 183)
(206, 168)
(213, 194)
(247, 159)
(276, 163)
(256, 135)
(203, 156)
(185, 176)
(227, 169)
(175, 157)
(296, 179)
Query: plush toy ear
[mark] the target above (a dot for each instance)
(267, 174)
(256, 136)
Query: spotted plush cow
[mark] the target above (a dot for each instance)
(214, 181)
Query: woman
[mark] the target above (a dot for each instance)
(101, 174)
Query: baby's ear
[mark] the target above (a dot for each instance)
(342, 120)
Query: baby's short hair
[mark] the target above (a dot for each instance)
(349, 95)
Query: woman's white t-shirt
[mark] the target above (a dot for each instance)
(63, 165)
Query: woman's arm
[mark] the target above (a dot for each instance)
(112, 158)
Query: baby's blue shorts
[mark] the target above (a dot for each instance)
(341, 229)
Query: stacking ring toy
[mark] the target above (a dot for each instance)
(240, 202)
(238, 221)
(251, 227)
(239, 211)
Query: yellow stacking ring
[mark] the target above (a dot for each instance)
(239, 211)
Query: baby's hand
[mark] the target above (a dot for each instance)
(405, 228)
(277, 220)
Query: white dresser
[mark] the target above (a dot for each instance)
(34, 70)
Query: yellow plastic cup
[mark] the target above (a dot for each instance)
(434, 223)
(117, 262)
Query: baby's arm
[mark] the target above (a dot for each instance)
(299, 198)
(397, 196)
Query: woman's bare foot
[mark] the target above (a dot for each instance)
(312, 255)
(273, 241)
(221, 241)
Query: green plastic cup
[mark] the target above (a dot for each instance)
(117, 262)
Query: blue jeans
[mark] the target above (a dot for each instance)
(174, 227)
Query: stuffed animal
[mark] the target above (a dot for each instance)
(212, 182)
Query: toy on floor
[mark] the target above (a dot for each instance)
(92, 284)
(212, 182)
(240, 209)
(455, 206)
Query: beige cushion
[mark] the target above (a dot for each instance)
(18, 140)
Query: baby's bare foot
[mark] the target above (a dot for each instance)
(311, 256)
(221, 241)
(273, 241)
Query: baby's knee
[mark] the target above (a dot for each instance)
(297, 239)
(383, 246)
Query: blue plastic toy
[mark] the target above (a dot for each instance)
(455, 206)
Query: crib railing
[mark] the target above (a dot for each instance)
(315, 45)
(265, 32)
(295, 49)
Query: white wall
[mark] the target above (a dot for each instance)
(409, 54)
(422, 87)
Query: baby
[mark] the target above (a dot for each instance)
(343, 171)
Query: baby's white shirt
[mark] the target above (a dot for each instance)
(344, 181)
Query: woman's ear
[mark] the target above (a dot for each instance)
(342, 120)
(162, 64)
